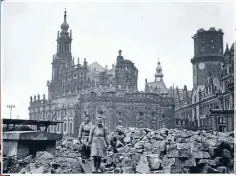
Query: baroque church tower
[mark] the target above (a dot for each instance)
(159, 75)
(61, 60)
(158, 86)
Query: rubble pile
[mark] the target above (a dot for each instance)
(65, 160)
(68, 146)
(45, 162)
(142, 151)
(170, 151)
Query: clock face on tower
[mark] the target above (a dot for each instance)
(201, 66)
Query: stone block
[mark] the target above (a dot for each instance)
(207, 161)
(128, 170)
(167, 163)
(196, 146)
(177, 169)
(127, 139)
(189, 162)
(154, 161)
(136, 157)
(173, 152)
(143, 166)
(200, 155)
(222, 169)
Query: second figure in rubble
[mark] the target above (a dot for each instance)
(98, 138)
(84, 137)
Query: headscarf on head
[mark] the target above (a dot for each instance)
(87, 115)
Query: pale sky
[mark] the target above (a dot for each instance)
(142, 30)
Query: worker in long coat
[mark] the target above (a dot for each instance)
(98, 139)
(84, 131)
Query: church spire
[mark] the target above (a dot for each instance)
(226, 49)
(64, 26)
(65, 16)
(158, 75)
(64, 38)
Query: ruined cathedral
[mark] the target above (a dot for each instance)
(81, 88)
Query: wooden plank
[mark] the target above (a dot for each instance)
(87, 167)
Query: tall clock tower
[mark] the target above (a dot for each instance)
(208, 55)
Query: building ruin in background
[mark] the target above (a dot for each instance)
(77, 89)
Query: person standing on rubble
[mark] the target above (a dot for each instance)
(84, 130)
(98, 138)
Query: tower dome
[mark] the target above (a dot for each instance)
(64, 26)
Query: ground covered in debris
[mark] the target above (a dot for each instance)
(46, 163)
(172, 151)
(65, 160)
(143, 151)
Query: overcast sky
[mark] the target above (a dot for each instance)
(141, 30)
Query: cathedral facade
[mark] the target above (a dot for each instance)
(79, 88)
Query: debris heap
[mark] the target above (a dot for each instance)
(170, 151)
(68, 146)
(65, 160)
(142, 151)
